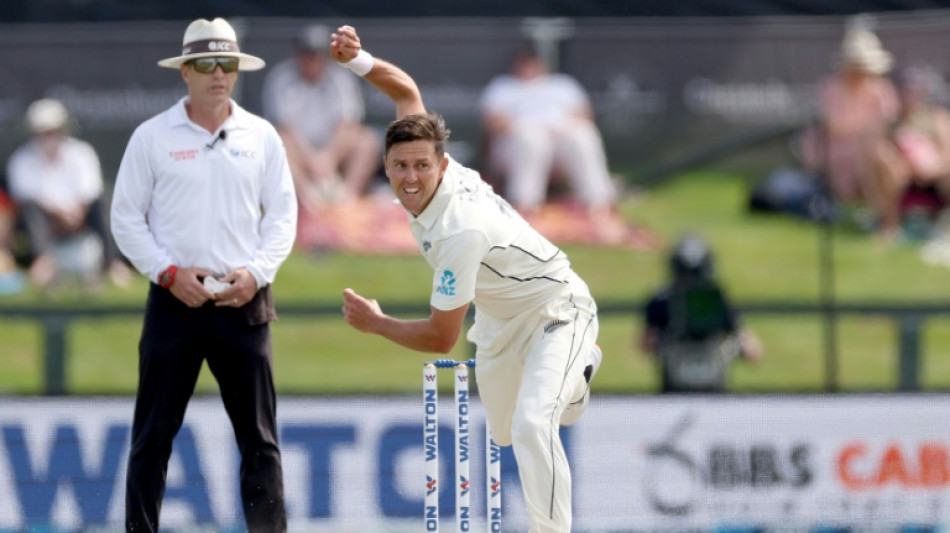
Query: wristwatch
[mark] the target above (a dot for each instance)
(167, 278)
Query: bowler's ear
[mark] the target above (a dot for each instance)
(444, 165)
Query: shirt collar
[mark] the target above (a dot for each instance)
(440, 200)
(237, 120)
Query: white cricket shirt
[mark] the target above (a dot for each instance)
(73, 179)
(313, 110)
(180, 200)
(551, 101)
(484, 252)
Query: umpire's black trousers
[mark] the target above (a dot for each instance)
(237, 345)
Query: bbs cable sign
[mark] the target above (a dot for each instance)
(357, 464)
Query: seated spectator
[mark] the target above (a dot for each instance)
(916, 155)
(538, 122)
(56, 181)
(11, 280)
(317, 107)
(857, 104)
(690, 326)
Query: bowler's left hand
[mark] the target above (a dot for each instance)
(360, 312)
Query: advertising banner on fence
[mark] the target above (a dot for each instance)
(356, 464)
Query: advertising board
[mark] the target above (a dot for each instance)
(879, 463)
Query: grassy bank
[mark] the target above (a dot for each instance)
(760, 258)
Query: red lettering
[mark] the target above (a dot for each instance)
(892, 468)
(846, 459)
(934, 466)
(895, 466)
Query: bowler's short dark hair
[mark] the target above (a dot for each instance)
(419, 127)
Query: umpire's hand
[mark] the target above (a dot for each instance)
(188, 288)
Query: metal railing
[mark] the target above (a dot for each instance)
(909, 318)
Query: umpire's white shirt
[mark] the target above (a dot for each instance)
(482, 251)
(181, 198)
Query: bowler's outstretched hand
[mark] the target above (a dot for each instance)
(360, 312)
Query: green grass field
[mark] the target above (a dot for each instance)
(760, 258)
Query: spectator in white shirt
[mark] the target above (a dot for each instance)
(56, 181)
(537, 123)
(318, 110)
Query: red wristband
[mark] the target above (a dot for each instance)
(167, 278)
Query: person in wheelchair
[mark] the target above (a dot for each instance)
(690, 326)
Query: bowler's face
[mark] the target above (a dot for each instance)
(213, 87)
(414, 171)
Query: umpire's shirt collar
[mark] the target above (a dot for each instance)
(238, 119)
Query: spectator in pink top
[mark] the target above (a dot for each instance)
(917, 157)
(857, 104)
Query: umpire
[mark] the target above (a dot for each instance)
(204, 191)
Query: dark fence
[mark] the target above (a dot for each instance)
(909, 319)
(93, 10)
(663, 89)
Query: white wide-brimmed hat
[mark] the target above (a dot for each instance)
(45, 115)
(215, 38)
(862, 49)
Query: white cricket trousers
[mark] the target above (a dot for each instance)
(526, 154)
(525, 388)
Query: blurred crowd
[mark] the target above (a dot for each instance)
(540, 140)
(879, 150)
(881, 144)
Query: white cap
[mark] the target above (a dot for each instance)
(46, 114)
(862, 49)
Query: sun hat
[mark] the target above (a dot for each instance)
(215, 38)
(45, 115)
(862, 49)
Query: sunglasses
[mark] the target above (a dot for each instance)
(206, 65)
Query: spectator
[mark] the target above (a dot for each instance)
(538, 122)
(11, 279)
(857, 104)
(56, 182)
(690, 326)
(318, 110)
(916, 157)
